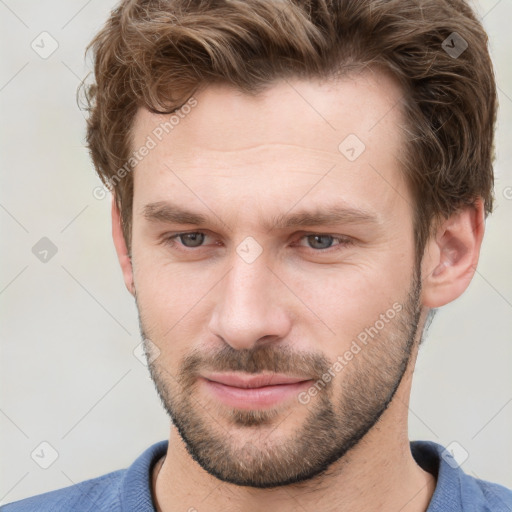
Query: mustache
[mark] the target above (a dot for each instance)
(261, 359)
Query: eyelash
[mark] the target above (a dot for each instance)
(343, 241)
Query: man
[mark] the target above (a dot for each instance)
(297, 186)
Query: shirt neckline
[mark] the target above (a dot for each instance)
(135, 491)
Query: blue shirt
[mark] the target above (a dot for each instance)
(129, 490)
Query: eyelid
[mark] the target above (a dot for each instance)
(171, 238)
(343, 240)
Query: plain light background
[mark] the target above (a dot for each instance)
(69, 375)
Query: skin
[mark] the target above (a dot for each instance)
(241, 160)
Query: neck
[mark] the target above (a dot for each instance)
(371, 484)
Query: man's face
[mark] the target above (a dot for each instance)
(334, 304)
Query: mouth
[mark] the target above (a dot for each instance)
(253, 391)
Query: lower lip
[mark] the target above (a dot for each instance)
(252, 398)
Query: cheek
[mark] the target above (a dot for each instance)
(346, 299)
(173, 299)
(168, 290)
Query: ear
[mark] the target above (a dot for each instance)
(451, 256)
(120, 245)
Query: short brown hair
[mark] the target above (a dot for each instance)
(157, 53)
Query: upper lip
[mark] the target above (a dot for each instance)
(252, 381)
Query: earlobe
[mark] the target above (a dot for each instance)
(451, 256)
(121, 249)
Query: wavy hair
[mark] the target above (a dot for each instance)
(157, 53)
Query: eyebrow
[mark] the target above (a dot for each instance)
(166, 212)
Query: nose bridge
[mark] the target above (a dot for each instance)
(248, 281)
(248, 307)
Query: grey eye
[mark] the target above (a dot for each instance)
(195, 239)
(316, 241)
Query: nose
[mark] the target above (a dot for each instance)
(251, 307)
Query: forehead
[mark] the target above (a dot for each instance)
(225, 117)
(277, 144)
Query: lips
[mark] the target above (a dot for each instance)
(252, 381)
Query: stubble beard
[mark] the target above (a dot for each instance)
(244, 447)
